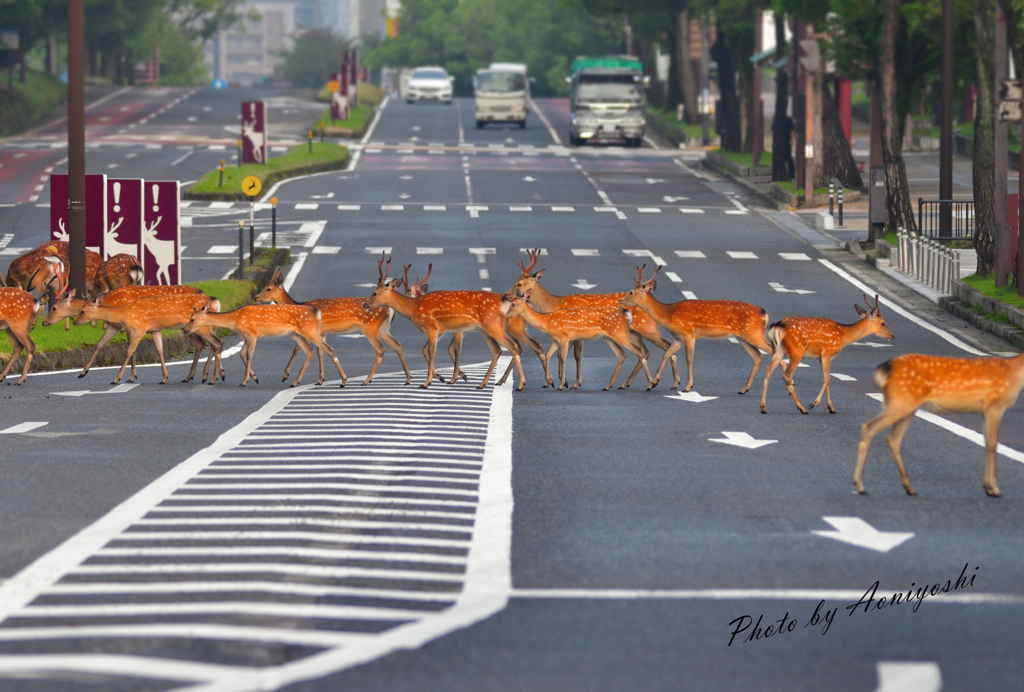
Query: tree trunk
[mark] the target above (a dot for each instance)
(687, 79)
(984, 170)
(838, 158)
(816, 89)
(780, 135)
(899, 210)
(747, 109)
(673, 92)
(1013, 35)
(728, 107)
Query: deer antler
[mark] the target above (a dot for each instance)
(650, 281)
(407, 267)
(640, 274)
(382, 270)
(867, 301)
(430, 268)
(534, 256)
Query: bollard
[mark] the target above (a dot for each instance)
(840, 206)
(310, 141)
(241, 248)
(321, 130)
(221, 184)
(956, 268)
(831, 197)
(239, 152)
(273, 222)
(901, 249)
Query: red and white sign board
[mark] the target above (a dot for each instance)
(339, 99)
(95, 210)
(123, 234)
(254, 132)
(353, 77)
(161, 232)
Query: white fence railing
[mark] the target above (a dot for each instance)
(927, 261)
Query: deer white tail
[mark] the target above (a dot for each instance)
(775, 336)
(881, 374)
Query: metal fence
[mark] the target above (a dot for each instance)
(961, 210)
(927, 261)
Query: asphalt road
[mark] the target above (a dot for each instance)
(387, 537)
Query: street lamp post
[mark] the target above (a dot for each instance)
(76, 144)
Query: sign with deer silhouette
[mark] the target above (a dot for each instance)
(339, 98)
(161, 232)
(254, 132)
(353, 77)
(123, 234)
(95, 210)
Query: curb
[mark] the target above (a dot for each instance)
(111, 354)
(270, 179)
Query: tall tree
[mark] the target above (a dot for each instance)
(983, 172)
(687, 80)
(782, 150)
(900, 213)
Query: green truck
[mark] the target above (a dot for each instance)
(607, 100)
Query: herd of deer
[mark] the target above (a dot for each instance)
(624, 320)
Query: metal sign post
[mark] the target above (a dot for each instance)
(273, 222)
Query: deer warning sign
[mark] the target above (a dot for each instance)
(161, 232)
(339, 97)
(254, 132)
(124, 218)
(95, 210)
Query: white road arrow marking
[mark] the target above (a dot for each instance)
(22, 428)
(405, 177)
(741, 439)
(329, 195)
(652, 181)
(856, 531)
(908, 676)
(871, 344)
(691, 396)
(119, 389)
(584, 284)
(782, 289)
(404, 195)
(529, 179)
(672, 200)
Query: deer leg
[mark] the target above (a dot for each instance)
(215, 348)
(288, 367)
(158, 343)
(30, 349)
(495, 354)
(197, 352)
(563, 355)
(993, 416)
(895, 439)
(642, 353)
(378, 349)
(826, 386)
(324, 346)
(397, 345)
(133, 343)
(428, 353)
(111, 330)
(426, 357)
(307, 351)
(669, 356)
(14, 353)
(756, 355)
(776, 358)
(867, 433)
(455, 353)
(620, 357)
(787, 377)
(508, 370)
(247, 353)
(661, 342)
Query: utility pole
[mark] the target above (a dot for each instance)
(76, 144)
(800, 106)
(946, 124)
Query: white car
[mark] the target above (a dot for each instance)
(429, 83)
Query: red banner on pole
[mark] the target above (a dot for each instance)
(254, 132)
(161, 233)
(95, 210)
(124, 216)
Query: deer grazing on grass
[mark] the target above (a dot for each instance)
(959, 385)
(69, 307)
(93, 260)
(151, 315)
(301, 322)
(18, 311)
(689, 320)
(515, 327)
(579, 324)
(449, 311)
(37, 269)
(342, 316)
(119, 270)
(820, 338)
(548, 302)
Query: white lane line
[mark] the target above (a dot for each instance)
(106, 664)
(798, 256)
(603, 196)
(690, 254)
(376, 118)
(960, 431)
(673, 277)
(307, 206)
(563, 208)
(904, 313)
(326, 249)
(689, 295)
(750, 594)
(741, 255)
(585, 252)
(22, 428)
(435, 207)
(430, 251)
(349, 207)
(547, 123)
(182, 158)
(293, 273)
(843, 378)
(908, 676)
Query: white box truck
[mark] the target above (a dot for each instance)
(501, 94)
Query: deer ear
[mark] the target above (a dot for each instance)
(860, 311)
(539, 274)
(654, 285)
(71, 294)
(424, 289)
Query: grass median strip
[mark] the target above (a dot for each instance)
(301, 160)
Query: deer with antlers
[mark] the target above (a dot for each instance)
(515, 327)
(689, 320)
(342, 316)
(119, 270)
(580, 324)
(69, 307)
(820, 338)
(151, 315)
(449, 311)
(301, 322)
(544, 301)
(958, 385)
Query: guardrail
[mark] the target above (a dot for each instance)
(961, 211)
(927, 261)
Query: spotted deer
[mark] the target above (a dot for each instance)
(544, 301)
(93, 260)
(119, 270)
(301, 322)
(36, 270)
(449, 311)
(151, 315)
(70, 307)
(18, 311)
(580, 324)
(958, 385)
(820, 338)
(689, 320)
(342, 316)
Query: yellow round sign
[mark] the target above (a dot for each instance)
(273, 201)
(332, 86)
(251, 185)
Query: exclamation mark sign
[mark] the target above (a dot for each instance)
(156, 198)
(117, 197)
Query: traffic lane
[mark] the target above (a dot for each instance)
(393, 179)
(99, 449)
(556, 112)
(24, 172)
(554, 644)
(633, 181)
(217, 112)
(535, 132)
(428, 121)
(127, 107)
(524, 180)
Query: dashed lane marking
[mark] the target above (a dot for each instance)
(430, 251)
(690, 254)
(798, 256)
(23, 427)
(326, 249)
(741, 255)
(322, 532)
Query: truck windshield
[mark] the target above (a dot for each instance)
(500, 82)
(606, 87)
